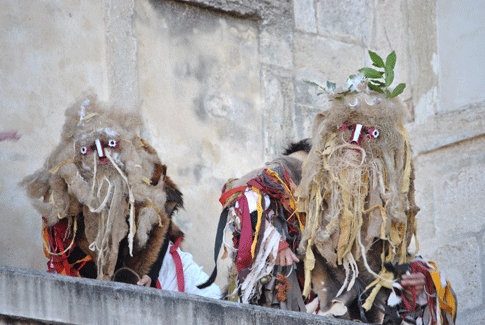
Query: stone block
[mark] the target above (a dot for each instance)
(310, 95)
(461, 54)
(347, 18)
(276, 44)
(334, 60)
(474, 316)
(305, 17)
(462, 210)
(32, 297)
(199, 78)
(431, 133)
(423, 53)
(454, 187)
(460, 263)
(278, 111)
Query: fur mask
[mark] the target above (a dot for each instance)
(116, 179)
(357, 188)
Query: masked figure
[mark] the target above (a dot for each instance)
(357, 192)
(260, 211)
(105, 198)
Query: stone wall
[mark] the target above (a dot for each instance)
(32, 297)
(220, 87)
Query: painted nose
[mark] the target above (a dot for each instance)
(356, 134)
(99, 148)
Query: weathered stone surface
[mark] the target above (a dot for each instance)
(461, 55)
(199, 78)
(423, 53)
(351, 19)
(446, 129)
(304, 121)
(460, 263)
(324, 55)
(276, 43)
(454, 188)
(305, 17)
(278, 112)
(51, 53)
(121, 54)
(463, 209)
(475, 316)
(42, 297)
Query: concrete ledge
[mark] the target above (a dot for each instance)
(33, 297)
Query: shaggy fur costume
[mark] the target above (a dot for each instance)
(112, 184)
(359, 202)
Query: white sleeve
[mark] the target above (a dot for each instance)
(193, 276)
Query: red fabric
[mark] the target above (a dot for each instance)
(179, 268)
(245, 241)
(158, 285)
(58, 241)
(229, 193)
(420, 267)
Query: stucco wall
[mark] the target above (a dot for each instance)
(220, 87)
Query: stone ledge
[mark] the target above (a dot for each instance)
(447, 129)
(33, 297)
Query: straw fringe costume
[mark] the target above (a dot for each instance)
(357, 192)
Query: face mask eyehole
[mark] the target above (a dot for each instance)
(112, 143)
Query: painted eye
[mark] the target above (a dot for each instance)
(375, 133)
(113, 143)
(84, 150)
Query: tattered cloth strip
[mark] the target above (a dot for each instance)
(58, 245)
(437, 296)
(269, 183)
(334, 194)
(257, 260)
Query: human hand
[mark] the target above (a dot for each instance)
(416, 280)
(145, 281)
(286, 257)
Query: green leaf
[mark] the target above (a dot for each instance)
(391, 61)
(375, 88)
(376, 59)
(388, 93)
(312, 83)
(398, 90)
(320, 93)
(371, 73)
(377, 83)
(331, 85)
(339, 98)
(389, 77)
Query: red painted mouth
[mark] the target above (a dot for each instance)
(103, 161)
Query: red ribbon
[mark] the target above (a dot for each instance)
(244, 250)
(179, 268)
